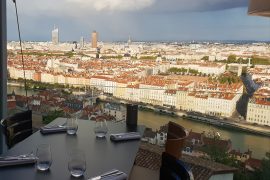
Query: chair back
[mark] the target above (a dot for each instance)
(17, 127)
(176, 137)
(174, 169)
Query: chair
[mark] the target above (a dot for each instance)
(172, 168)
(17, 127)
(176, 137)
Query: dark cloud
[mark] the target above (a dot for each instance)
(82, 7)
(142, 19)
(172, 6)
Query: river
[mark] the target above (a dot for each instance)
(19, 90)
(240, 140)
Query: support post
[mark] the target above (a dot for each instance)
(3, 67)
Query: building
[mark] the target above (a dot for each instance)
(82, 42)
(236, 68)
(258, 110)
(159, 58)
(206, 68)
(116, 111)
(149, 157)
(55, 36)
(129, 41)
(94, 39)
(149, 136)
(127, 57)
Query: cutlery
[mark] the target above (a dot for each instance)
(12, 159)
(107, 175)
(54, 126)
(19, 157)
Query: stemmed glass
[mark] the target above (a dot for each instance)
(77, 163)
(44, 157)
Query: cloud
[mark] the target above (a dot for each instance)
(115, 5)
(82, 7)
(196, 5)
(77, 7)
(144, 19)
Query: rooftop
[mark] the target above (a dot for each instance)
(149, 156)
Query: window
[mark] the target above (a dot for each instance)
(98, 68)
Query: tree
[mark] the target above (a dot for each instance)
(206, 58)
(219, 154)
(148, 57)
(264, 172)
(52, 116)
(232, 59)
(259, 61)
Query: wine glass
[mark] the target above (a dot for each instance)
(44, 157)
(72, 125)
(77, 163)
(101, 127)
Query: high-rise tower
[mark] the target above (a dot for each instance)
(55, 35)
(94, 39)
(81, 42)
(129, 41)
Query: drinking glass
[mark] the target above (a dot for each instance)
(101, 127)
(72, 125)
(44, 156)
(77, 163)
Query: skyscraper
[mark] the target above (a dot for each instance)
(129, 41)
(81, 42)
(94, 39)
(55, 35)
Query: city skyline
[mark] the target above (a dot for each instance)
(143, 20)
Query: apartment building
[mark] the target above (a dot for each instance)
(258, 110)
(152, 93)
(47, 77)
(133, 93)
(207, 68)
(169, 98)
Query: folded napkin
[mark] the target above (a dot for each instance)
(19, 161)
(52, 129)
(125, 136)
(116, 177)
(111, 175)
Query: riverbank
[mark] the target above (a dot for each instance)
(242, 126)
(229, 123)
(15, 84)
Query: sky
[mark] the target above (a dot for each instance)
(143, 20)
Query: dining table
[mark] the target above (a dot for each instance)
(101, 154)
